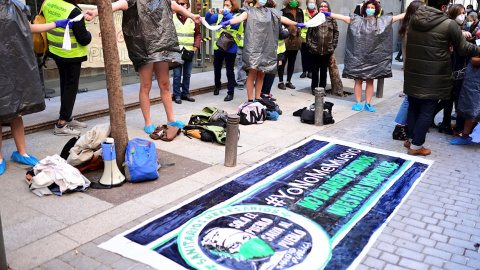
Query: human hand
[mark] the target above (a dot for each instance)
(225, 24)
(210, 11)
(195, 49)
(301, 25)
(196, 18)
(90, 14)
(63, 23)
(466, 34)
(221, 11)
(326, 13)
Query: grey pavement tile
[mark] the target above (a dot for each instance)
(123, 264)
(411, 264)
(374, 263)
(434, 261)
(57, 264)
(108, 258)
(91, 250)
(104, 267)
(140, 267)
(389, 258)
(456, 266)
(84, 262)
(409, 253)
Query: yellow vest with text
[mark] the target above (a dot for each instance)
(185, 32)
(55, 10)
(281, 46)
(237, 35)
(242, 34)
(306, 18)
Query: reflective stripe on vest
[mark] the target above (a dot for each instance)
(54, 10)
(281, 46)
(235, 33)
(185, 32)
(306, 18)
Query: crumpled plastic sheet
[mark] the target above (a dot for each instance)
(469, 99)
(150, 34)
(20, 87)
(261, 39)
(369, 48)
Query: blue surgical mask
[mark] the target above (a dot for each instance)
(226, 9)
(468, 24)
(370, 12)
(311, 5)
(262, 2)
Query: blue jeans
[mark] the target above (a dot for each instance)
(419, 118)
(241, 74)
(401, 118)
(177, 76)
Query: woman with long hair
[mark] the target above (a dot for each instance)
(230, 10)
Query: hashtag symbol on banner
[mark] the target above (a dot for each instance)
(274, 201)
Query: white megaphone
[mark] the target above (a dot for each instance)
(111, 174)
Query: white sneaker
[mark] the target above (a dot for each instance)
(66, 131)
(78, 124)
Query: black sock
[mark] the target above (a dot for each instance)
(60, 125)
(250, 100)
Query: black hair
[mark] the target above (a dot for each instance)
(438, 3)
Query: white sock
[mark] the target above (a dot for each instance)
(415, 147)
(26, 155)
(1, 161)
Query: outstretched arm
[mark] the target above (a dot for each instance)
(176, 7)
(398, 17)
(337, 16)
(119, 5)
(240, 18)
(287, 21)
(38, 28)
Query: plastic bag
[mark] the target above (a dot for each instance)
(369, 48)
(261, 39)
(20, 87)
(67, 42)
(469, 99)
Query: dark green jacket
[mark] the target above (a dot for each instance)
(428, 68)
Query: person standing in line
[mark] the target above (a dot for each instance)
(152, 46)
(20, 85)
(230, 11)
(293, 42)
(69, 62)
(241, 74)
(359, 7)
(188, 33)
(322, 42)
(430, 35)
(307, 57)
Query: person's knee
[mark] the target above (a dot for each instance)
(164, 85)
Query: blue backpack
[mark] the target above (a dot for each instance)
(140, 161)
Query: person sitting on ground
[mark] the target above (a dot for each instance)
(152, 46)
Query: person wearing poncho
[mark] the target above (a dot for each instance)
(152, 46)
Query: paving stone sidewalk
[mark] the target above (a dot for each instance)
(437, 227)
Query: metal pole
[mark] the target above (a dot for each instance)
(3, 256)
(319, 106)
(380, 84)
(231, 143)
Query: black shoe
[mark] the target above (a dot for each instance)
(269, 96)
(309, 75)
(216, 91)
(187, 98)
(177, 100)
(290, 85)
(228, 98)
(281, 86)
(303, 75)
(400, 133)
(447, 129)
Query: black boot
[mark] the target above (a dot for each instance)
(216, 91)
(400, 133)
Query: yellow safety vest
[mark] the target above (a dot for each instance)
(281, 46)
(240, 30)
(54, 10)
(306, 18)
(235, 33)
(185, 32)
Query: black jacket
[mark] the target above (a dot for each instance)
(294, 40)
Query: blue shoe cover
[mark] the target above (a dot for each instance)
(108, 150)
(460, 141)
(177, 123)
(24, 160)
(149, 129)
(2, 167)
(368, 107)
(357, 107)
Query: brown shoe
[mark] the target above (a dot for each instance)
(281, 86)
(422, 151)
(290, 85)
(407, 144)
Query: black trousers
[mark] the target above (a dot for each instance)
(420, 116)
(290, 57)
(69, 78)
(307, 63)
(320, 65)
(267, 83)
(218, 57)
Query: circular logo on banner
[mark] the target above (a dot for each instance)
(254, 237)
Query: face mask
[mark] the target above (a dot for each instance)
(370, 12)
(293, 4)
(468, 24)
(460, 18)
(468, 10)
(262, 2)
(311, 5)
(226, 9)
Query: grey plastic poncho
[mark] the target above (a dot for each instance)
(150, 34)
(20, 87)
(469, 99)
(369, 48)
(261, 39)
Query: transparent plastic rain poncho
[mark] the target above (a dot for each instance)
(150, 33)
(20, 87)
(469, 100)
(369, 48)
(261, 39)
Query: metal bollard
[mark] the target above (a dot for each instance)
(3, 256)
(380, 84)
(231, 143)
(319, 106)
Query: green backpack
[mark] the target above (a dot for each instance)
(208, 115)
(208, 125)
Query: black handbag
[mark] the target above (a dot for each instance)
(225, 41)
(187, 55)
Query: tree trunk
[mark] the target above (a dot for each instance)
(335, 79)
(114, 80)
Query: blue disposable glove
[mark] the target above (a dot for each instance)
(225, 24)
(63, 23)
(301, 25)
(326, 13)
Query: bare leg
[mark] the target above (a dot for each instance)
(467, 129)
(259, 84)
(252, 76)
(161, 71)
(369, 90)
(18, 135)
(145, 74)
(358, 90)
